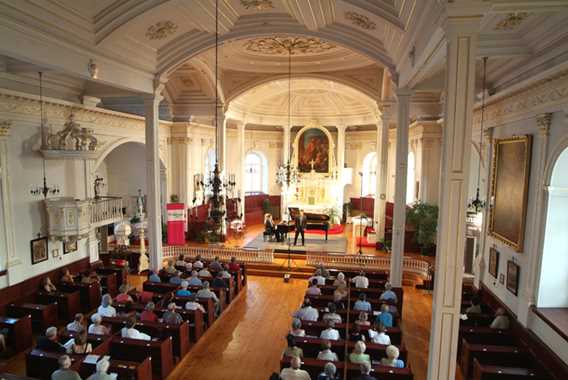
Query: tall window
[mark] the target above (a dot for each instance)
(370, 174)
(209, 162)
(411, 179)
(255, 173)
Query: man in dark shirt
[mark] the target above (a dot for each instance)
(49, 341)
(215, 265)
(219, 281)
(301, 223)
(365, 371)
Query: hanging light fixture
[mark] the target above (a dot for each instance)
(476, 206)
(43, 189)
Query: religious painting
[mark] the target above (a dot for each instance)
(493, 262)
(69, 246)
(513, 277)
(509, 190)
(313, 151)
(39, 250)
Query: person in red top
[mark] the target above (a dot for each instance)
(148, 314)
(233, 265)
(123, 297)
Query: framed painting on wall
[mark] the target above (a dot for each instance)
(313, 151)
(69, 246)
(493, 262)
(38, 249)
(509, 190)
(513, 277)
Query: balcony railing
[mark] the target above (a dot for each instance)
(106, 210)
(225, 254)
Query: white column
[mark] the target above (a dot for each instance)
(399, 212)
(221, 134)
(151, 109)
(242, 155)
(8, 253)
(341, 164)
(180, 143)
(382, 172)
(286, 145)
(92, 241)
(285, 159)
(462, 31)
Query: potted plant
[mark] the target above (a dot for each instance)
(424, 217)
(174, 198)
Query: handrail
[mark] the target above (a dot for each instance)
(224, 254)
(106, 210)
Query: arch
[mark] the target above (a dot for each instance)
(256, 180)
(112, 146)
(369, 170)
(411, 178)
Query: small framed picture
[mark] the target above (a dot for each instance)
(38, 249)
(502, 279)
(493, 262)
(513, 277)
(69, 246)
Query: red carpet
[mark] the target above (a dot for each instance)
(336, 229)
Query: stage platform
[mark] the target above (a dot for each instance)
(314, 243)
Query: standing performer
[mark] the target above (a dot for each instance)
(301, 223)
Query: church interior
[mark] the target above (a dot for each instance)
(284, 189)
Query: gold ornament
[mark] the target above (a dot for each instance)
(161, 30)
(286, 45)
(361, 21)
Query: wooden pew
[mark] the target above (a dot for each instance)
(207, 303)
(19, 332)
(90, 294)
(41, 364)
(381, 372)
(312, 346)
(503, 354)
(315, 328)
(313, 366)
(125, 369)
(378, 351)
(497, 372)
(119, 273)
(43, 316)
(161, 353)
(68, 304)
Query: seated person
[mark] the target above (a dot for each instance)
(323, 271)
(219, 281)
(363, 319)
(292, 350)
(501, 320)
(270, 228)
(102, 371)
(326, 353)
(361, 281)
(206, 292)
(78, 324)
(172, 317)
(233, 265)
(91, 278)
(318, 277)
(67, 278)
(215, 265)
(96, 327)
(225, 274)
(475, 307)
(331, 314)
(79, 345)
(388, 294)
(205, 273)
(356, 334)
(130, 332)
(123, 296)
(362, 304)
(194, 280)
(183, 292)
(198, 264)
(358, 355)
(378, 335)
(340, 280)
(330, 333)
(307, 312)
(294, 372)
(148, 314)
(392, 359)
(47, 286)
(180, 263)
(153, 277)
(365, 372)
(385, 317)
(65, 372)
(313, 290)
(297, 328)
(329, 372)
(192, 304)
(176, 278)
(50, 342)
(187, 263)
(106, 309)
(340, 294)
(169, 268)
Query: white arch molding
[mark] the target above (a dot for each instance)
(109, 148)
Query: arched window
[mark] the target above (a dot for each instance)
(370, 174)
(411, 179)
(209, 162)
(256, 173)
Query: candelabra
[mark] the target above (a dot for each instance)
(287, 175)
(44, 189)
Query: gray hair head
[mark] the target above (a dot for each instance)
(102, 365)
(329, 369)
(64, 361)
(96, 318)
(106, 300)
(296, 323)
(51, 332)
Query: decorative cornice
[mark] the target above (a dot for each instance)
(360, 20)
(543, 121)
(180, 140)
(5, 128)
(511, 21)
(284, 45)
(259, 5)
(161, 30)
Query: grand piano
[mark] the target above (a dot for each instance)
(314, 222)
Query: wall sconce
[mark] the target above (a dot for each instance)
(93, 69)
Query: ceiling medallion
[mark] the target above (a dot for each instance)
(360, 20)
(511, 21)
(161, 30)
(286, 45)
(259, 5)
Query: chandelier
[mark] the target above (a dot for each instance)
(43, 189)
(477, 205)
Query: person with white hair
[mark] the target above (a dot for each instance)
(192, 304)
(194, 280)
(183, 292)
(392, 359)
(294, 372)
(172, 317)
(102, 374)
(106, 309)
(501, 320)
(330, 333)
(205, 273)
(361, 281)
(65, 372)
(388, 294)
(340, 280)
(358, 355)
(78, 324)
(148, 315)
(317, 276)
(96, 327)
(130, 332)
(365, 372)
(329, 372)
(206, 292)
(50, 341)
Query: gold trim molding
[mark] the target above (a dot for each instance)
(259, 5)
(5, 128)
(360, 20)
(284, 45)
(511, 21)
(161, 30)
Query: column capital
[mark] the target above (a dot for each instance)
(543, 121)
(5, 129)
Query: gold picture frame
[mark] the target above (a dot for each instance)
(509, 190)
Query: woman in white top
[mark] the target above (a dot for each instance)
(378, 335)
(130, 332)
(330, 333)
(96, 327)
(326, 353)
(192, 304)
(331, 314)
(106, 309)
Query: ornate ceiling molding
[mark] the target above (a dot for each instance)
(511, 21)
(284, 45)
(259, 5)
(5, 128)
(360, 20)
(161, 30)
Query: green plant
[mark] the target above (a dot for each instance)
(174, 198)
(266, 207)
(135, 219)
(387, 244)
(424, 217)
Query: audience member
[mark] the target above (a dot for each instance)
(67, 278)
(358, 355)
(170, 268)
(123, 296)
(50, 341)
(297, 328)
(148, 315)
(363, 319)
(205, 273)
(47, 286)
(101, 373)
(356, 334)
(180, 263)
(329, 372)
(385, 317)
(294, 372)
(91, 278)
(198, 264)
(362, 304)
(501, 320)
(78, 324)
(233, 265)
(183, 292)
(176, 278)
(172, 317)
(187, 263)
(392, 359)
(307, 312)
(129, 331)
(378, 335)
(292, 350)
(388, 294)
(206, 292)
(326, 353)
(219, 281)
(331, 314)
(225, 273)
(360, 281)
(323, 270)
(79, 345)
(318, 277)
(192, 304)
(340, 280)
(330, 333)
(475, 307)
(313, 290)
(96, 327)
(365, 372)
(153, 277)
(106, 309)
(215, 265)
(194, 280)
(64, 372)
(340, 293)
